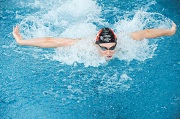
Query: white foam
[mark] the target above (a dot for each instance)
(79, 30)
(82, 52)
(74, 19)
(110, 84)
(79, 19)
(53, 18)
(129, 49)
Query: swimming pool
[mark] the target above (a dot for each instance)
(142, 82)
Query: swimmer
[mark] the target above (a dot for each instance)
(105, 41)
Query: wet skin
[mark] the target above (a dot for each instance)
(108, 54)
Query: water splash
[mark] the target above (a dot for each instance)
(79, 53)
(62, 18)
(81, 19)
(111, 84)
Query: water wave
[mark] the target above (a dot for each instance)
(79, 19)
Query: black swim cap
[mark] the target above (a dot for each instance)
(106, 35)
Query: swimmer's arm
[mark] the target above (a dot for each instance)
(46, 42)
(153, 33)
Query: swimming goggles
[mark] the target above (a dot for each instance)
(105, 48)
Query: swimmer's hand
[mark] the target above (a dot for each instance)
(153, 33)
(17, 35)
(172, 31)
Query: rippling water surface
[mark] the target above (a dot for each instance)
(141, 82)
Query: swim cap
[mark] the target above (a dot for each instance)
(106, 35)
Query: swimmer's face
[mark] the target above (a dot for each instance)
(106, 50)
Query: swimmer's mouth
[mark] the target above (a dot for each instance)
(109, 57)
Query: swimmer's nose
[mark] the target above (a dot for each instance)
(108, 52)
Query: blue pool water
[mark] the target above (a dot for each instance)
(142, 82)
